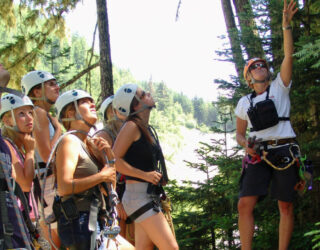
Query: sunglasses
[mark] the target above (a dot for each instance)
(257, 65)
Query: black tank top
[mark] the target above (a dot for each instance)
(142, 155)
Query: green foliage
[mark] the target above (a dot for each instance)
(25, 28)
(315, 235)
(205, 211)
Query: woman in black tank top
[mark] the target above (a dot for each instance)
(133, 150)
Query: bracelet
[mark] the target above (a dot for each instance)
(289, 27)
(113, 161)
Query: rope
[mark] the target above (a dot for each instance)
(166, 206)
(264, 157)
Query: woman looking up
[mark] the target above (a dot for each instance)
(17, 114)
(136, 152)
(43, 90)
(80, 168)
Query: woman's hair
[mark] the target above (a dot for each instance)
(137, 120)
(6, 132)
(70, 106)
(10, 133)
(31, 93)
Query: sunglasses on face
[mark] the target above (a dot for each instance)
(257, 65)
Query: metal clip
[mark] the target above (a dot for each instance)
(111, 232)
(274, 142)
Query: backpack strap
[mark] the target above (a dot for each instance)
(7, 228)
(22, 196)
(4, 175)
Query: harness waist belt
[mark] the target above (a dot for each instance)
(279, 141)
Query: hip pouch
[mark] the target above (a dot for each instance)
(69, 209)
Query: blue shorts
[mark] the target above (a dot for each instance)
(75, 234)
(256, 178)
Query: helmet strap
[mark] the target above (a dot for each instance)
(79, 116)
(14, 127)
(44, 97)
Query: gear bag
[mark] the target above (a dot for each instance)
(263, 114)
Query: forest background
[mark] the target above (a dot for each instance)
(204, 212)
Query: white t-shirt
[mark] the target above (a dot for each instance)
(279, 94)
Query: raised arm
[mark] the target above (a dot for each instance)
(286, 67)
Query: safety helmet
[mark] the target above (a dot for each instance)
(249, 63)
(10, 102)
(33, 79)
(105, 104)
(123, 98)
(69, 97)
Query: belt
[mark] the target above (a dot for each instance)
(277, 142)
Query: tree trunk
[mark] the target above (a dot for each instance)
(250, 37)
(106, 78)
(233, 35)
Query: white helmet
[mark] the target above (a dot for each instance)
(69, 97)
(10, 102)
(34, 78)
(105, 104)
(123, 98)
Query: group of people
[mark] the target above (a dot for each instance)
(69, 179)
(80, 183)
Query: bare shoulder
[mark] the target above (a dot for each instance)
(42, 116)
(130, 126)
(130, 130)
(69, 144)
(40, 111)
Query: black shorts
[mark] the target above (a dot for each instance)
(256, 178)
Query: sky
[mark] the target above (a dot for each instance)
(146, 39)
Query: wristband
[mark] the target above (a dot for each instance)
(289, 27)
(113, 161)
